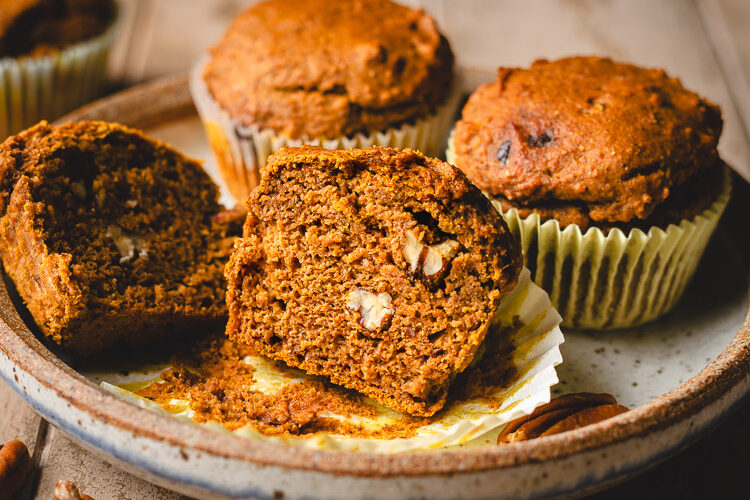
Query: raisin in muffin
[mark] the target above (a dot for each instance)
(378, 268)
(111, 236)
(337, 74)
(57, 52)
(590, 145)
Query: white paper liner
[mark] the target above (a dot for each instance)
(47, 87)
(614, 280)
(535, 355)
(241, 151)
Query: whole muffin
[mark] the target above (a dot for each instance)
(40, 27)
(54, 53)
(577, 148)
(336, 74)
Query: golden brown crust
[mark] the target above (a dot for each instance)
(684, 203)
(40, 27)
(317, 68)
(325, 227)
(611, 138)
(110, 236)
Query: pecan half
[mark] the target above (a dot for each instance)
(562, 414)
(375, 311)
(430, 261)
(15, 464)
(65, 490)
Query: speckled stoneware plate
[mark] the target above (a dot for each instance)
(680, 376)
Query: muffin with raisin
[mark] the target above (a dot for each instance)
(609, 174)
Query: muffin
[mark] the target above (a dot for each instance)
(111, 236)
(609, 175)
(334, 74)
(378, 268)
(53, 57)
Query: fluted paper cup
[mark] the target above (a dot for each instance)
(614, 280)
(532, 323)
(33, 88)
(241, 151)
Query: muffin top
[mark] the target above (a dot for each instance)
(40, 27)
(587, 138)
(317, 68)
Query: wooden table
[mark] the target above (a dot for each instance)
(704, 42)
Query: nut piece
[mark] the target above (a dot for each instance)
(65, 490)
(15, 464)
(126, 245)
(565, 413)
(585, 417)
(427, 259)
(375, 311)
(78, 189)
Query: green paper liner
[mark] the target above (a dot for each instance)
(603, 282)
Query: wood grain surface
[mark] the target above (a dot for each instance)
(704, 42)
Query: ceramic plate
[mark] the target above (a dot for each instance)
(680, 376)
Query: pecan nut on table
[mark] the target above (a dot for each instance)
(65, 490)
(568, 412)
(15, 464)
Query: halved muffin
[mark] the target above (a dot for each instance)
(109, 235)
(378, 268)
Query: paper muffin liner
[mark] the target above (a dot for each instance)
(241, 151)
(614, 280)
(48, 86)
(536, 340)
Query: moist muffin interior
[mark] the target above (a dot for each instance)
(136, 226)
(323, 225)
(108, 194)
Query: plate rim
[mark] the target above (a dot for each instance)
(168, 99)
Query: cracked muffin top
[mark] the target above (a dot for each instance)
(587, 139)
(317, 68)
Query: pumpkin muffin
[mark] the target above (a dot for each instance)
(111, 236)
(378, 268)
(57, 52)
(40, 27)
(338, 74)
(588, 143)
